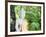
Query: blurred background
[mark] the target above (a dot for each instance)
(32, 17)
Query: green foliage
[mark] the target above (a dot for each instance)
(34, 26)
(33, 16)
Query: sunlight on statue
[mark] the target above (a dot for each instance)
(21, 22)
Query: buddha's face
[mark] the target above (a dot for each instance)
(22, 13)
